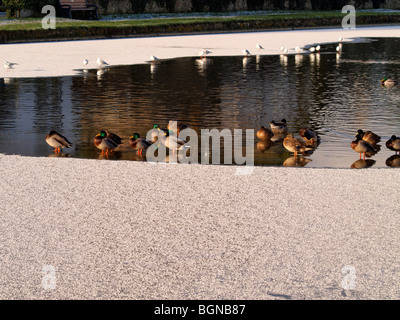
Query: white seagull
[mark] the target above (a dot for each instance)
(203, 53)
(9, 65)
(85, 62)
(312, 49)
(298, 49)
(318, 48)
(101, 62)
(153, 58)
(259, 46)
(246, 53)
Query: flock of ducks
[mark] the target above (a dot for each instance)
(365, 143)
(108, 141)
(279, 132)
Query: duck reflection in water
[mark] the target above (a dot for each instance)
(296, 162)
(361, 164)
(264, 145)
(114, 155)
(393, 161)
(59, 154)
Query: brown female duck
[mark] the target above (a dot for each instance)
(362, 147)
(393, 144)
(295, 145)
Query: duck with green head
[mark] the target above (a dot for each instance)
(173, 142)
(386, 82)
(157, 132)
(139, 143)
(107, 141)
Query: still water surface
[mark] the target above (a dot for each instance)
(334, 94)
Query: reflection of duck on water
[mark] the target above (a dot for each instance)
(296, 162)
(393, 161)
(361, 163)
(115, 155)
(264, 145)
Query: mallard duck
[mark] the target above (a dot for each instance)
(278, 127)
(107, 141)
(264, 133)
(172, 142)
(369, 136)
(393, 144)
(139, 143)
(179, 126)
(309, 135)
(57, 141)
(388, 82)
(362, 147)
(156, 132)
(295, 145)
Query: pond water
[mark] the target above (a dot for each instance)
(334, 94)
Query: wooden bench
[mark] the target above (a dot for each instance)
(66, 7)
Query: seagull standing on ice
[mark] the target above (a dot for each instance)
(85, 62)
(153, 58)
(101, 62)
(298, 49)
(9, 65)
(203, 53)
(312, 49)
(259, 46)
(246, 53)
(318, 48)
